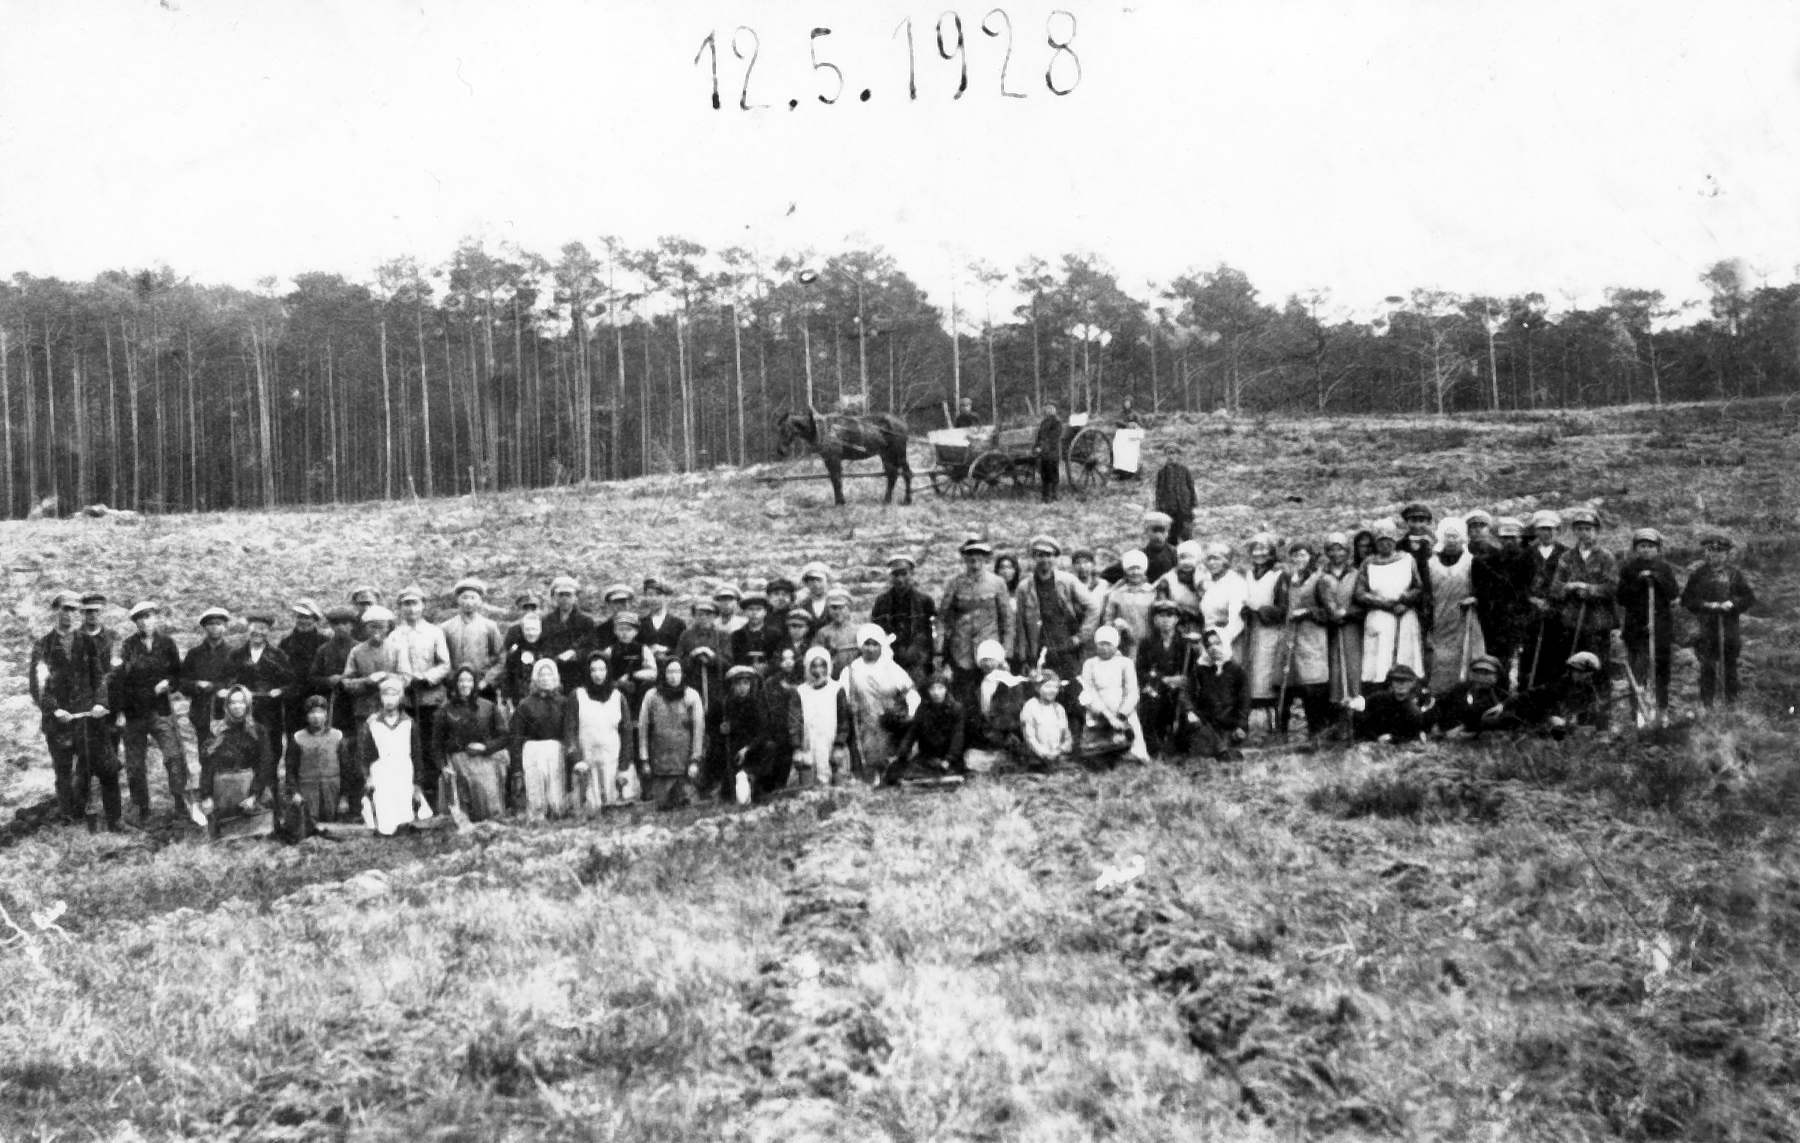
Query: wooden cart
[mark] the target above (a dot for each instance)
(984, 462)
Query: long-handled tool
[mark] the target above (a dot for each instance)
(1637, 692)
(1537, 647)
(1289, 633)
(1462, 670)
(1656, 708)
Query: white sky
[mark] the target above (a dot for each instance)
(1369, 148)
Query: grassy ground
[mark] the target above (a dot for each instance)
(1592, 941)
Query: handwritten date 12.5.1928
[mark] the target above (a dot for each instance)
(1062, 69)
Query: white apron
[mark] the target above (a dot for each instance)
(1451, 624)
(1263, 663)
(818, 711)
(1389, 639)
(546, 790)
(391, 774)
(1126, 446)
(597, 736)
(873, 690)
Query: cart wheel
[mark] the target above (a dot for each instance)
(946, 483)
(1089, 458)
(991, 474)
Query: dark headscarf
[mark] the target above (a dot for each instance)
(599, 692)
(474, 692)
(663, 688)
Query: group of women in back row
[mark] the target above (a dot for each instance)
(1465, 626)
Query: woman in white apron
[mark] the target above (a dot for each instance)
(537, 742)
(1455, 630)
(1307, 649)
(389, 747)
(1388, 586)
(1267, 628)
(1223, 596)
(821, 746)
(1335, 595)
(598, 727)
(1109, 691)
(880, 694)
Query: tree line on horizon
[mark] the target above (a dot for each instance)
(506, 369)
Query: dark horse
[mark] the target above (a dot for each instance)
(838, 437)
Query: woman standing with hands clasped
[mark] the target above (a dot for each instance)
(597, 723)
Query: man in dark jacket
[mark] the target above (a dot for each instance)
(63, 678)
(1580, 697)
(756, 643)
(299, 647)
(1420, 542)
(1546, 663)
(1055, 619)
(1396, 714)
(656, 627)
(1159, 554)
(1218, 717)
(206, 672)
(1048, 448)
(569, 632)
(1162, 664)
(1477, 703)
(1717, 594)
(263, 670)
(1646, 597)
(1502, 582)
(149, 670)
(909, 615)
(326, 676)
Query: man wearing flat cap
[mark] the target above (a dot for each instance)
(363, 598)
(569, 632)
(427, 656)
(1716, 594)
(300, 647)
(1584, 587)
(1502, 583)
(1054, 619)
(149, 670)
(1477, 703)
(657, 628)
(474, 640)
(206, 672)
(264, 671)
(1542, 662)
(617, 597)
(910, 616)
(1048, 449)
(326, 676)
(1647, 592)
(974, 608)
(64, 681)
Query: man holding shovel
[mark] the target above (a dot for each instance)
(1717, 594)
(1646, 593)
(1586, 581)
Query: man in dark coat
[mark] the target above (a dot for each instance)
(909, 615)
(1477, 703)
(263, 670)
(656, 626)
(1162, 664)
(1396, 714)
(1420, 543)
(1542, 662)
(149, 671)
(756, 643)
(568, 632)
(966, 417)
(1643, 578)
(300, 647)
(63, 678)
(327, 672)
(974, 608)
(1502, 579)
(206, 671)
(1048, 448)
(1716, 594)
(1055, 619)
(1580, 697)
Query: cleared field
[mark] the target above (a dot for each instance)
(1452, 942)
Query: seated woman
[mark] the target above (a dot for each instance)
(991, 730)
(387, 744)
(597, 731)
(881, 698)
(469, 735)
(536, 743)
(237, 764)
(1109, 691)
(1044, 725)
(933, 744)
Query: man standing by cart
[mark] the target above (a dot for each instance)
(1049, 453)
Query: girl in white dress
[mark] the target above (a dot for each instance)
(1109, 691)
(389, 747)
(1388, 587)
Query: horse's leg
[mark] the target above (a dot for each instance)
(906, 471)
(893, 474)
(834, 468)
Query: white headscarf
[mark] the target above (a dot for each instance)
(1451, 526)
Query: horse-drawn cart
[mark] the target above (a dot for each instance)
(983, 462)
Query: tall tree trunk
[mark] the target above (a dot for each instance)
(518, 456)
(1493, 361)
(737, 346)
(387, 406)
(50, 404)
(862, 344)
(616, 463)
(31, 472)
(1037, 370)
(6, 424)
(424, 400)
(131, 388)
(687, 404)
(112, 421)
(84, 451)
(956, 355)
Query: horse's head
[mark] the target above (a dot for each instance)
(790, 427)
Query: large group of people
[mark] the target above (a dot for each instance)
(1463, 626)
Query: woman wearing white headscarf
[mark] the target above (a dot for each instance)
(1267, 622)
(537, 742)
(992, 729)
(1224, 596)
(819, 724)
(881, 697)
(1127, 606)
(1185, 583)
(1455, 631)
(1388, 587)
